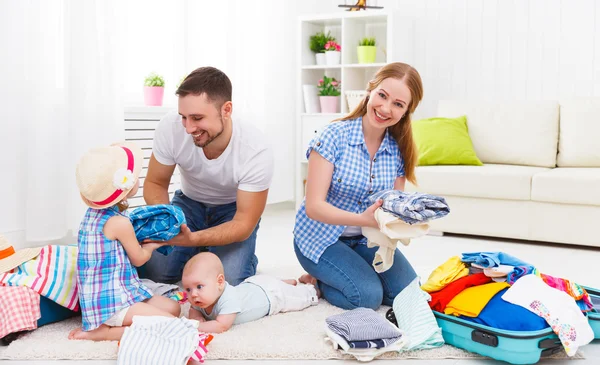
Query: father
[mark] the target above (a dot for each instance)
(226, 170)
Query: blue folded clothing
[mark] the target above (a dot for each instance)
(503, 315)
(373, 344)
(157, 222)
(492, 259)
(412, 207)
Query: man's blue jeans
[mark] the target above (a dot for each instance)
(239, 260)
(347, 279)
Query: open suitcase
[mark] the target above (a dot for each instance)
(515, 347)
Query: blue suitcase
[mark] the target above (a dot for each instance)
(52, 312)
(515, 347)
(594, 317)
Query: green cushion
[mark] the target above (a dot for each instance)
(444, 141)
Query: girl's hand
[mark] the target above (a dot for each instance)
(368, 216)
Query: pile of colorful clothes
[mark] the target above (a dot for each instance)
(501, 291)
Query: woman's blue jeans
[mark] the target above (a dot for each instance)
(347, 279)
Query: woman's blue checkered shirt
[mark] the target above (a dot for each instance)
(354, 180)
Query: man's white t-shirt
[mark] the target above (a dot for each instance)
(246, 164)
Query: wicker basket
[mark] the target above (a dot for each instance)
(354, 97)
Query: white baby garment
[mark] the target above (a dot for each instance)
(556, 307)
(391, 231)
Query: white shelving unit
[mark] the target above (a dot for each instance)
(140, 123)
(394, 36)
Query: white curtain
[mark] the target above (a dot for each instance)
(62, 93)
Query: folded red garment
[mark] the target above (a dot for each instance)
(440, 299)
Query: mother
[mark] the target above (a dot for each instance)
(369, 150)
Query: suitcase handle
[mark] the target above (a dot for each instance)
(391, 316)
(484, 338)
(550, 346)
(549, 343)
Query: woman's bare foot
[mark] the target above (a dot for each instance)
(290, 281)
(102, 333)
(309, 279)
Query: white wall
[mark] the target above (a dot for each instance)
(155, 42)
(12, 134)
(504, 49)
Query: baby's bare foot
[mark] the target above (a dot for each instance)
(309, 279)
(291, 282)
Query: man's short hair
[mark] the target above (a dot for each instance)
(207, 80)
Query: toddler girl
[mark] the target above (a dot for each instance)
(110, 291)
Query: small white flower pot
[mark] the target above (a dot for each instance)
(333, 57)
(321, 60)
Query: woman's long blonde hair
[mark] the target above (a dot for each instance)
(401, 131)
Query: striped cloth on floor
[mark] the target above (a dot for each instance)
(363, 324)
(53, 274)
(19, 309)
(161, 341)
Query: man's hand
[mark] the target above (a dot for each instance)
(151, 246)
(185, 238)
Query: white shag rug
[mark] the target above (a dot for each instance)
(296, 335)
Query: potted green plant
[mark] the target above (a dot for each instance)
(329, 94)
(317, 45)
(366, 51)
(154, 89)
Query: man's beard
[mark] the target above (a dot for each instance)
(210, 138)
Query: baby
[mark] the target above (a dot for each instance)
(218, 305)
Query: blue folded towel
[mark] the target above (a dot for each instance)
(157, 222)
(412, 207)
(492, 259)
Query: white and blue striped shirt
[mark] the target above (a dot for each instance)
(354, 180)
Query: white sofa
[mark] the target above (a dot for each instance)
(541, 175)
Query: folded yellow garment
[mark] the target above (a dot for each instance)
(471, 301)
(449, 271)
